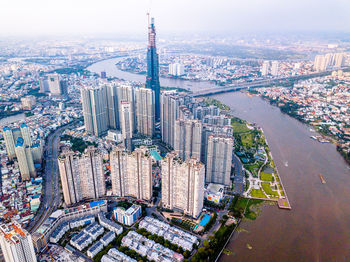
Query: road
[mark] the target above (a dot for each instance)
(51, 196)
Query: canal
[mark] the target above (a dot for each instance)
(317, 228)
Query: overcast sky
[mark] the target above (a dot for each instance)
(129, 16)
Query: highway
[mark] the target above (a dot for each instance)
(51, 196)
(258, 83)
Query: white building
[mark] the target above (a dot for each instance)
(109, 224)
(16, 243)
(265, 69)
(176, 69)
(129, 216)
(95, 249)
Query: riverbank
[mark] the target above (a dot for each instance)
(291, 109)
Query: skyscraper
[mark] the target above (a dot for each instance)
(169, 113)
(265, 69)
(56, 86)
(183, 184)
(82, 176)
(68, 164)
(131, 173)
(16, 243)
(126, 122)
(126, 94)
(219, 159)
(152, 80)
(274, 68)
(25, 159)
(95, 110)
(188, 138)
(144, 100)
(25, 131)
(113, 110)
(9, 142)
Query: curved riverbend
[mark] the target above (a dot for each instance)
(317, 228)
(110, 68)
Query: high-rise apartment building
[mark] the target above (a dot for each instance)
(219, 159)
(9, 142)
(131, 173)
(28, 102)
(275, 68)
(113, 109)
(170, 103)
(95, 110)
(68, 164)
(16, 243)
(126, 122)
(265, 69)
(126, 94)
(82, 176)
(152, 79)
(176, 69)
(188, 138)
(25, 159)
(144, 98)
(92, 178)
(183, 184)
(56, 86)
(25, 131)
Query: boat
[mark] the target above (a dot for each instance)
(323, 141)
(322, 178)
(314, 137)
(286, 163)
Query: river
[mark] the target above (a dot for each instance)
(109, 67)
(11, 119)
(318, 226)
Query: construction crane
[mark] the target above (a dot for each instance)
(48, 250)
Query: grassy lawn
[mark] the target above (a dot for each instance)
(268, 190)
(239, 127)
(239, 205)
(247, 139)
(266, 177)
(257, 193)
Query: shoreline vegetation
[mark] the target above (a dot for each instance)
(251, 143)
(290, 109)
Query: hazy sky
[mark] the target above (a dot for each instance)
(122, 16)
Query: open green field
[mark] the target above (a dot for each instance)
(239, 205)
(266, 177)
(257, 193)
(239, 127)
(268, 190)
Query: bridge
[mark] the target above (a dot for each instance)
(260, 83)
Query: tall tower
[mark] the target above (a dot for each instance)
(16, 243)
(152, 80)
(25, 159)
(9, 142)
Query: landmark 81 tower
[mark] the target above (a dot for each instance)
(152, 80)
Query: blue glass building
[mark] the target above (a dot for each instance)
(152, 80)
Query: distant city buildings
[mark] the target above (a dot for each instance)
(183, 184)
(265, 70)
(329, 61)
(28, 102)
(24, 159)
(52, 84)
(131, 173)
(16, 243)
(176, 69)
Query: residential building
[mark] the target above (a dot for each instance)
(275, 68)
(95, 109)
(183, 184)
(126, 122)
(187, 138)
(144, 98)
(25, 159)
(131, 173)
(265, 69)
(16, 243)
(219, 159)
